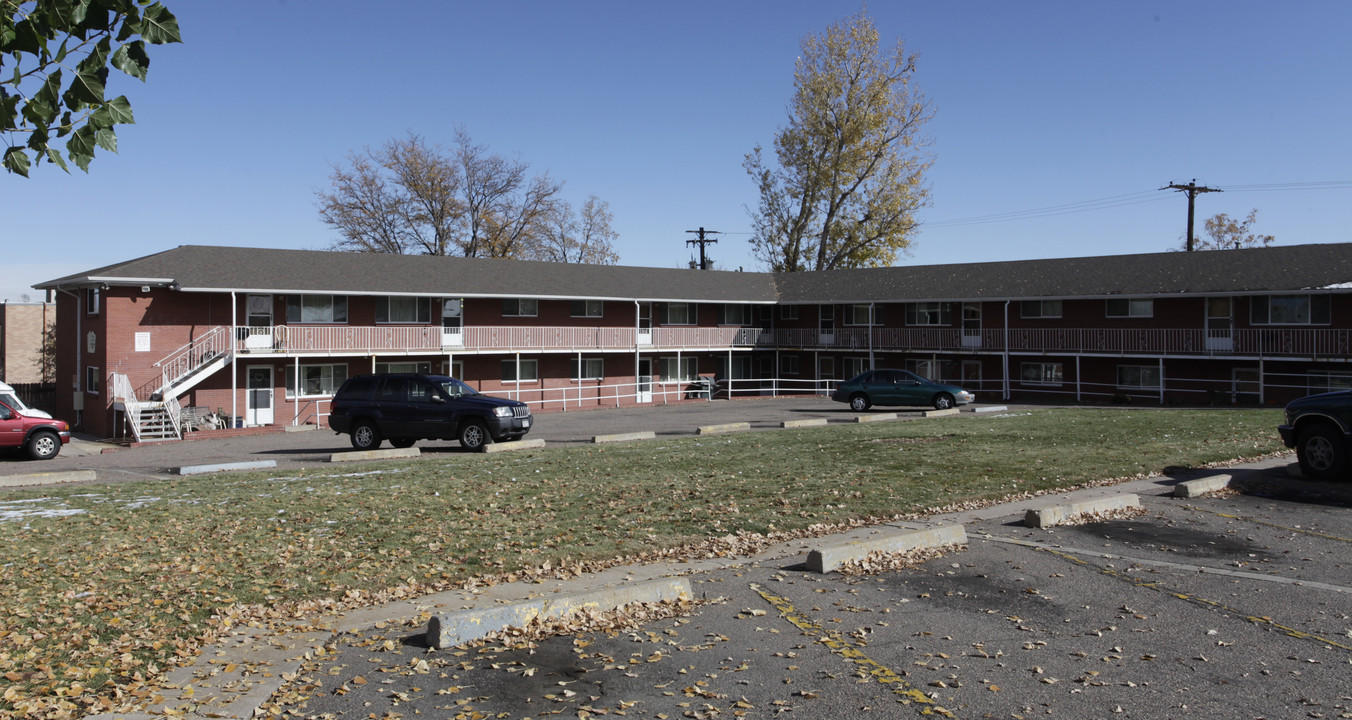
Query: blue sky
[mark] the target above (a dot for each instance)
(652, 107)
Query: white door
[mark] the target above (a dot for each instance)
(826, 325)
(645, 329)
(258, 406)
(645, 381)
(258, 318)
(1218, 324)
(452, 323)
(971, 324)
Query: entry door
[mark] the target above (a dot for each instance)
(452, 323)
(258, 318)
(826, 325)
(971, 375)
(645, 381)
(258, 406)
(1219, 322)
(971, 324)
(645, 328)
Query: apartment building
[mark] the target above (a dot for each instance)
(266, 336)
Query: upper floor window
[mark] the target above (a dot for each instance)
(92, 296)
(588, 308)
(862, 314)
(1040, 309)
(676, 314)
(1129, 308)
(1290, 310)
(403, 310)
(929, 313)
(788, 312)
(734, 315)
(316, 308)
(520, 307)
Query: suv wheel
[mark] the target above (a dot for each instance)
(44, 445)
(474, 435)
(403, 442)
(1322, 452)
(365, 436)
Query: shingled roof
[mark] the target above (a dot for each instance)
(1283, 269)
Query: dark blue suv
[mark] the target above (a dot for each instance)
(1319, 427)
(408, 407)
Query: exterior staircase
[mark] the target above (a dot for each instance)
(160, 416)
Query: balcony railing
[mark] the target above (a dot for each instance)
(1139, 341)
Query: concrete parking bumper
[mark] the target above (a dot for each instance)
(48, 478)
(1046, 517)
(828, 558)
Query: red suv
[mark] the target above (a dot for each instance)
(40, 437)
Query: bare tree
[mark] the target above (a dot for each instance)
(585, 237)
(412, 197)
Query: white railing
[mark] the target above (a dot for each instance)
(430, 339)
(123, 392)
(184, 361)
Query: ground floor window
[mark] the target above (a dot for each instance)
(927, 369)
(739, 368)
(826, 368)
(788, 364)
(672, 369)
(403, 367)
(1040, 373)
(855, 366)
(1330, 381)
(589, 369)
(530, 371)
(455, 369)
(1138, 376)
(316, 380)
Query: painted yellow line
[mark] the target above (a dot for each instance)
(1203, 602)
(846, 649)
(1270, 524)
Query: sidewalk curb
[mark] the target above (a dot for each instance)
(451, 629)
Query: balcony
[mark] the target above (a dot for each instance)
(322, 339)
(435, 340)
(1094, 341)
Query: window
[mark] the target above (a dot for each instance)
(1326, 382)
(588, 308)
(92, 301)
(93, 380)
(788, 364)
(403, 310)
(734, 314)
(929, 313)
(455, 369)
(591, 369)
(1130, 308)
(826, 368)
(317, 380)
(855, 366)
(928, 369)
(316, 308)
(736, 368)
(1290, 310)
(672, 369)
(788, 312)
(403, 367)
(520, 307)
(1040, 374)
(676, 314)
(1040, 309)
(862, 314)
(1138, 376)
(529, 371)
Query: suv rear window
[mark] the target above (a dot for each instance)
(359, 388)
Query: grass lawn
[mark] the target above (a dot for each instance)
(106, 586)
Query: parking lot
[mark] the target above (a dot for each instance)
(1237, 605)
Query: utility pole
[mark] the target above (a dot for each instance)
(702, 241)
(1192, 190)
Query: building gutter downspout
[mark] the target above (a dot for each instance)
(234, 360)
(1006, 353)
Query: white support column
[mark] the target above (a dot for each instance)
(1161, 380)
(234, 360)
(295, 395)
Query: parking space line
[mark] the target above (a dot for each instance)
(838, 645)
(1193, 599)
(1270, 524)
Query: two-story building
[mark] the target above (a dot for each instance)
(266, 336)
